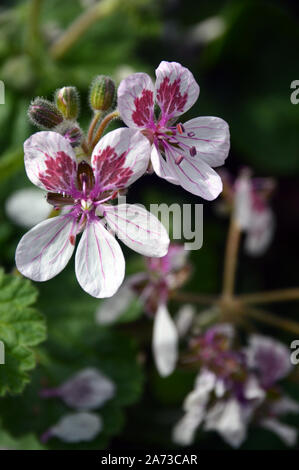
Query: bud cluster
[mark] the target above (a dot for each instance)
(59, 116)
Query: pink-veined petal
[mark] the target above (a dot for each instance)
(138, 229)
(45, 250)
(165, 342)
(120, 158)
(99, 264)
(176, 89)
(210, 136)
(50, 162)
(136, 100)
(161, 168)
(196, 176)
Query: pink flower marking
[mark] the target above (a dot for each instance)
(143, 108)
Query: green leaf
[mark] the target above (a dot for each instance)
(26, 442)
(21, 328)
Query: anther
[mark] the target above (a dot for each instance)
(192, 151)
(180, 128)
(72, 239)
(191, 134)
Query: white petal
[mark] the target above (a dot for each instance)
(50, 162)
(284, 405)
(161, 167)
(77, 427)
(196, 176)
(184, 431)
(228, 420)
(286, 433)
(210, 136)
(253, 390)
(99, 264)
(87, 390)
(243, 201)
(260, 232)
(138, 229)
(176, 89)
(27, 207)
(45, 250)
(165, 342)
(205, 383)
(136, 100)
(120, 158)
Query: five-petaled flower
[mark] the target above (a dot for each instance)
(86, 191)
(182, 154)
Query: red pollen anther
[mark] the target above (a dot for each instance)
(180, 128)
(114, 195)
(192, 151)
(179, 159)
(72, 239)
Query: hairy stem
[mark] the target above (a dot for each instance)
(93, 125)
(81, 25)
(103, 125)
(270, 296)
(230, 259)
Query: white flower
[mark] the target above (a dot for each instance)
(118, 159)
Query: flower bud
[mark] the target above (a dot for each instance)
(71, 131)
(67, 101)
(102, 93)
(42, 113)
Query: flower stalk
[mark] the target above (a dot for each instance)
(76, 30)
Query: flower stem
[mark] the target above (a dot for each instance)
(270, 296)
(93, 125)
(202, 299)
(230, 259)
(103, 125)
(80, 25)
(33, 26)
(273, 320)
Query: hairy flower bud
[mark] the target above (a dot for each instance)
(102, 93)
(44, 114)
(71, 131)
(67, 101)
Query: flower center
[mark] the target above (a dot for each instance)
(86, 205)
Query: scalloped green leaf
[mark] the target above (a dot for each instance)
(21, 329)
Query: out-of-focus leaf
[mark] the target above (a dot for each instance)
(21, 328)
(27, 442)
